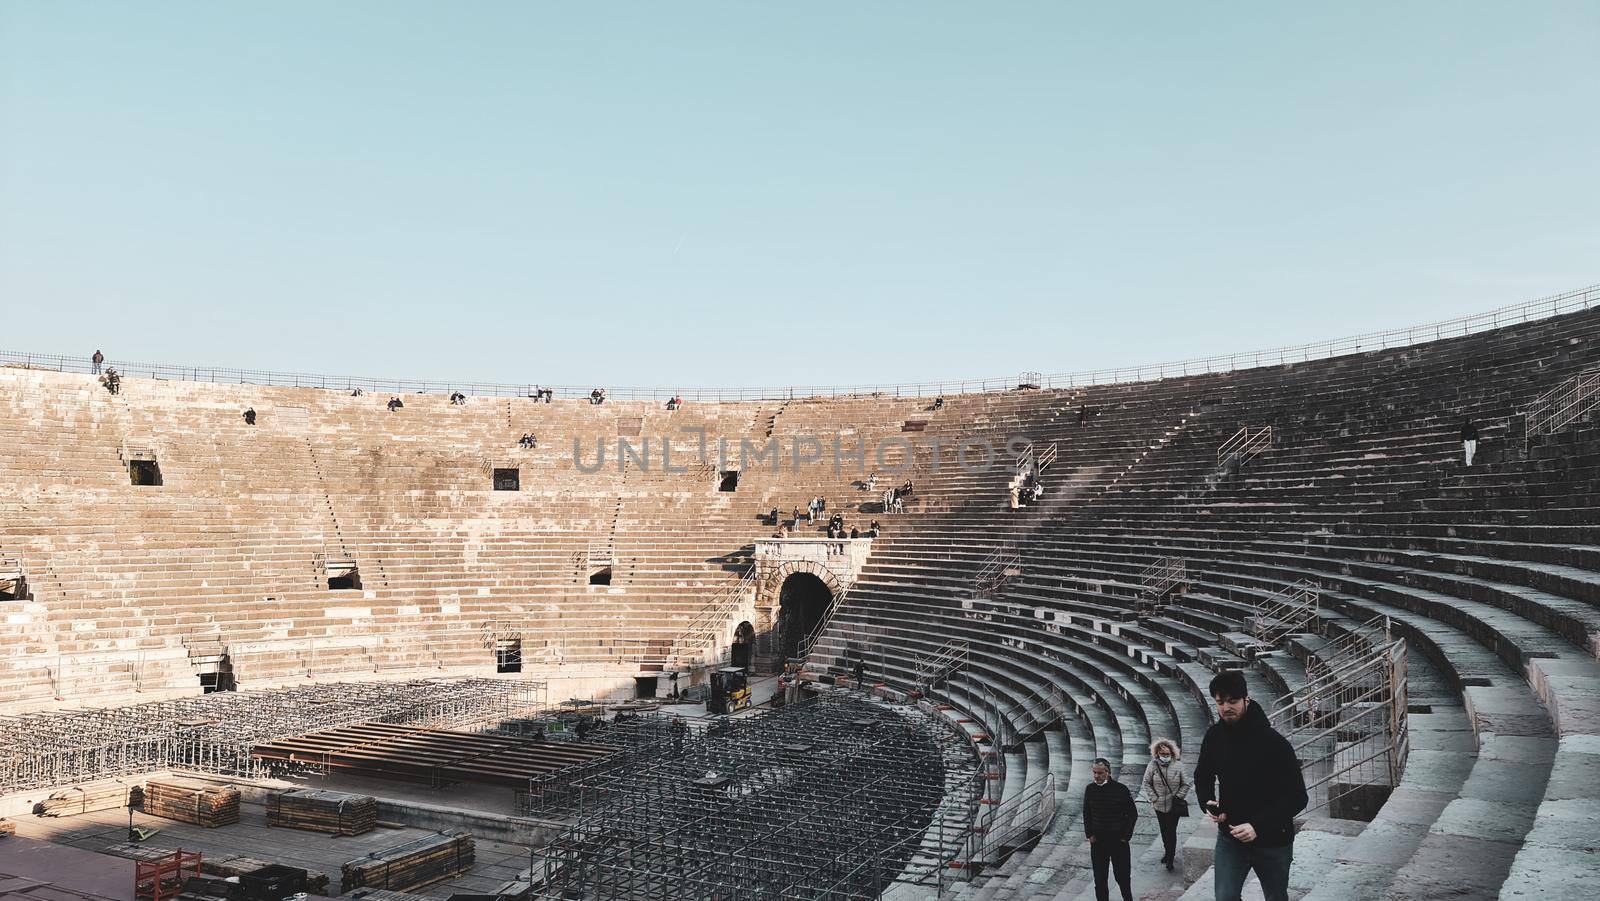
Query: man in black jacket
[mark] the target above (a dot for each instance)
(1108, 820)
(1261, 791)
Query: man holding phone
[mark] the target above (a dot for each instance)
(1261, 791)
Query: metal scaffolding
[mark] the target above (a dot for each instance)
(214, 733)
(832, 798)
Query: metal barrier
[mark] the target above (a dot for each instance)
(704, 630)
(1349, 727)
(1162, 576)
(937, 665)
(1556, 305)
(1244, 446)
(1292, 610)
(1557, 408)
(1004, 564)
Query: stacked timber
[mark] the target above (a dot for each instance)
(68, 802)
(338, 813)
(414, 864)
(192, 802)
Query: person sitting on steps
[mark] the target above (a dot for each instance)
(250, 416)
(394, 404)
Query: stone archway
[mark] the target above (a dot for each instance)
(791, 598)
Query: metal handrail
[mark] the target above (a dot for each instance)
(1245, 444)
(803, 646)
(996, 569)
(702, 630)
(946, 660)
(1287, 612)
(1157, 578)
(1553, 410)
(1367, 694)
(1568, 302)
(1049, 456)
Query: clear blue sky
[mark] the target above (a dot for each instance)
(752, 194)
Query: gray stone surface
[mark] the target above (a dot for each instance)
(1552, 874)
(1454, 866)
(1477, 818)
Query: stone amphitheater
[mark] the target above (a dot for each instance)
(519, 643)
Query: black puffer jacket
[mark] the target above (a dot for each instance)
(1108, 811)
(1260, 778)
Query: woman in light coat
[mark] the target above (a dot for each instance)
(1164, 780)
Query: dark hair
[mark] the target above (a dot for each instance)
(1229, 684)
(1100, 761)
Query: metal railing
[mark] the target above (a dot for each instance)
(1349, 728)
(1161, 576)
(999, 567)
(1016, 822)
(1244, 445)
(1557, 408)
(1292, 610)
(948, 659)
(1556, 305)
(1048, 456)
(804, 646)
(703, 631)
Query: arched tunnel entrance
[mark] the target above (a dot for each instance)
(802, 602)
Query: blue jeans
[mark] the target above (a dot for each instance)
(1235, 859)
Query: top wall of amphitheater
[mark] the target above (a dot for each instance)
(1544, 308)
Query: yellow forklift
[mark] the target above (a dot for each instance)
(730, 691)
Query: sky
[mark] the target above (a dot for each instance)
(727, 194)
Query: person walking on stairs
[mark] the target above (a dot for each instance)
(1261, 789)
(1108, 820)
(1469, 439)
(1166, 787)
(98, 359)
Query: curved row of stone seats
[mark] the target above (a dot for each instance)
(1140, 701)
(1410, 460)
(404, 494)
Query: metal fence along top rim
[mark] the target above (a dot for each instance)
(1568, 302)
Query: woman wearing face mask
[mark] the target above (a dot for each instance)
(1165, 785)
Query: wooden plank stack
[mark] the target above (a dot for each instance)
(414, 864)
(194, 802)
(338, 813)
(68, 802)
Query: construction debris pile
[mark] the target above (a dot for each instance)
(214, 733)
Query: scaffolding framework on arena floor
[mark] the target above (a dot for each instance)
(215, 733)
(832, 798)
